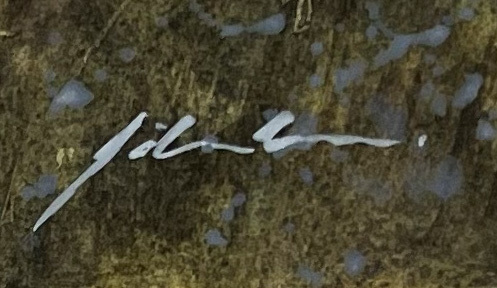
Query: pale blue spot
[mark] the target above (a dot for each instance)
(354, 263)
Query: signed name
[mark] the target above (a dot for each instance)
(265, 135)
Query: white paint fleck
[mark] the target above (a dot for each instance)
(160, 126)
(422, 140)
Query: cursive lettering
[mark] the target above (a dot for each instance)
(265, 135)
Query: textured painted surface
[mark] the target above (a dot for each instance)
(143, 223)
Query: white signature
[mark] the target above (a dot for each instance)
(265, 135)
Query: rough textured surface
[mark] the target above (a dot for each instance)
(100, 75)
(390, 121)
(143, 223)
(309, 276)
(354, 72)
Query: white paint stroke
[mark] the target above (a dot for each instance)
(181, 126)
(266, 135)
(102, 157)
(142, 150)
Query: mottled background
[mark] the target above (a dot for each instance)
(142, 223)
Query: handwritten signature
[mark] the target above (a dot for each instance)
(265, 135)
